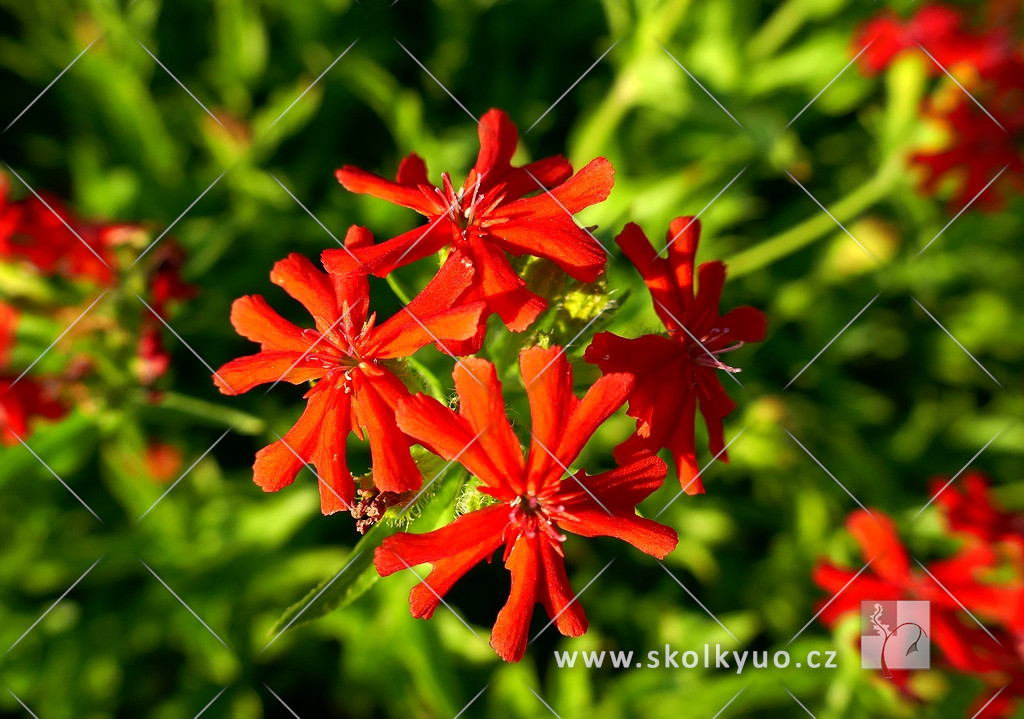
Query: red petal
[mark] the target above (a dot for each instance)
(433, 425)
(589, 186)
(847, 600)
(504, 290)
(452, 550)
(714, 405)
(710, 280)
(512, 628)
(745, 324)
(669, 302)
(498, 140)
(555, 237)
(412, 170)
(672, 422)
(548, 172)
(880, 40)
(681, 240)
(602, 399)
(242, 374)
(405, 333)
(662, 399)
(313, 288)
(255, 320)
(434, 314)
(393, 468)
(482, 405)
(471, 346)
(337, 489)
(547, 378)
(410, 195)
(878, 538)
(560, 239)
(641, 356)
(555, 593)
(382, 258)
(277, 464)
(20, 402)
(1001, 603)
(352, 289)
(562, 424)
(8, 323)
(618, 491)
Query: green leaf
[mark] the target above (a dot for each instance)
(64, 446)
(356, 576)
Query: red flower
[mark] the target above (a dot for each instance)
(973, 513)
(941, 31)
(978, 150)
(349, 354)
(22, 400)
(8, 324)
(499, 209)
(163, 461)
(991, 65)
(891, 576)
(537, 498)
(29, 230)
(999, 662)
(152, 356)
(675, 375)
(165, 287)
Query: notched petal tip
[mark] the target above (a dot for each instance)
(223, 386)
(357, 236)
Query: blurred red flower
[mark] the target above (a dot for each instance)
(676, 375)
(968, 581)
(349, 354)
(998, 660)
(163, 461)
(8, 325)
(537, 499)
(24, 398)
(943, 31)
(166, 286)
(988, 63)
(42, 232)
(892, 576)
(21, 401)
(499, 209)
(973, 512)
(45, 233)
(978, 150)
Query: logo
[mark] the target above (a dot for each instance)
(895, 635)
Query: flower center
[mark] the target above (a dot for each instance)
(462, 208)
(529, 516)
(331, 351)
(469, 205)
(707, 349)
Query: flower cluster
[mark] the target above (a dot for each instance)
(52, 264)
(983, 580)
(483, 234)
(981, 109)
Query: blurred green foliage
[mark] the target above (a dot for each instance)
(892, 402)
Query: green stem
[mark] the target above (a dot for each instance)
(805, 233)
(783, 24)
(398, 289)
(242, 422)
